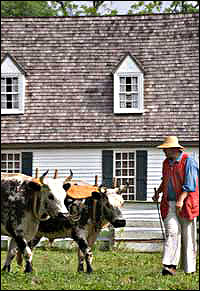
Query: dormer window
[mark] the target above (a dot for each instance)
(128, 86)
(12, 86)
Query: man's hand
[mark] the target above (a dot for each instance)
(180, 201)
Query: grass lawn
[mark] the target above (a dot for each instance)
(55, 269)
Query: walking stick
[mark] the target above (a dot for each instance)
(163, 233)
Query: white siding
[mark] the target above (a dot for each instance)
(85, 163)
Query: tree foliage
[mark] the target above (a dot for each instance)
(92, 8)
(149, 7)
(26, 8)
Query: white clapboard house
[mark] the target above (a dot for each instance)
(97, 95)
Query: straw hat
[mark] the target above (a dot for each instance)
(170, 142)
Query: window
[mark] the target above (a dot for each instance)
(125, 171)
(9, 93)
(128, 87)
(11, 162)
(12, 87)
(128, 93)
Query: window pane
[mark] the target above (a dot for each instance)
(3, 88)
(10, 165)
(128, 88)
(10, 156)
(124, 156)
(9, 81)
(118, 172)
(16, 156)
(131, 156)
(131, 181)
(124, 172)
(131, 164)
(122, 88)
(122, 80)
(124, 164)
(15, 84)
(118, 156)
(128, 80)
(122, 97)
(124, 181)
(122, 104)
(9, 105)
(3, 165)
(16, 105)
(131, 172)
(3, 157)
(17, 165)
(118, 164)
(3, 105)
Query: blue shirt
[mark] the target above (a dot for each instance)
(191, 173)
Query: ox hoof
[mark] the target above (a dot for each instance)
(6, 268)
(81, 269)
(28, 268)
(89, 270)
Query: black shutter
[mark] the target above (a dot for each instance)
(141, 175)
(107, 167)
(27, 162)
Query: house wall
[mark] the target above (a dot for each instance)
(86, 163)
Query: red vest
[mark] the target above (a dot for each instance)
(177, 173)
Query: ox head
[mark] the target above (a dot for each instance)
(106, 206)
(49, 198)
(109, 206)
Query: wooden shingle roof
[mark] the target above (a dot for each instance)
(69, 82)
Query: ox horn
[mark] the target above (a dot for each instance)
(36, 173)
(55, 174)
(42, 177)
(69, 177)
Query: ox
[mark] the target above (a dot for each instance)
(25, 201)
(86, 218)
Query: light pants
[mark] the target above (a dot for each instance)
(181, 240)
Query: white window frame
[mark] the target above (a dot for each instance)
(126, 177)
(10, 69)
(21, 93)
(12, 170)
(117, 108)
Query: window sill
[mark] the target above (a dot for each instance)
(128, 111)
(11, 111)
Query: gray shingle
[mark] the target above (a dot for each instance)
(69, 63)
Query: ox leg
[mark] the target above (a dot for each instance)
(26, 251)
(10, 255)
(86, 251)
(31, 245)
(81, 258)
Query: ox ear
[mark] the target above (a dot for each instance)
(66, 186)
(34, 185)
(96, 195)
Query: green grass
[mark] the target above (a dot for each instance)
(55, 269)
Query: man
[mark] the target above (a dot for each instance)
(179, 207)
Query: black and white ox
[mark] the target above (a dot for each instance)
(25, 201)
(84, 221)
